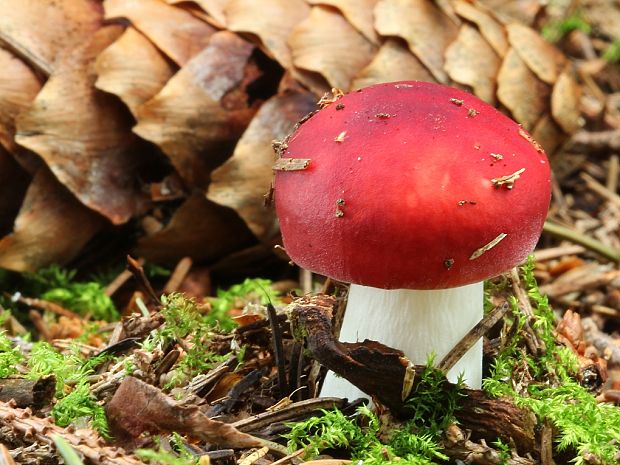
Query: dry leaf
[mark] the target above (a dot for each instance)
(602, 15)
(133, 69)
(13, 184)
(215, 9)
(393, 62)
(42, 31)
(198, 116)
(176, 32)
(471, 61)
(327, 44)
(83, 134)
(490, 29)
(565, 102)
(548, 134)
(508, 11)
(427, 30)
(541, 57)
(270, 20)
(51, 227)
(199, 229)
(521, 91)
(244, 179)
(138, 407)
(358, 12)
(18, 88)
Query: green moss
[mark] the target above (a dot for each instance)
(81, 404)
(432, 402)
(255, 290)
(612, 53)
(584, 426)
(360, 436)
(59, 285)
(75, 403)
(184, 321)
(10, 356)
(556, 30)
(162, 456)
(415, 443)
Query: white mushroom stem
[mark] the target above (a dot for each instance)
(418, 323)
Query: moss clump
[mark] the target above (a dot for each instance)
(585, 428)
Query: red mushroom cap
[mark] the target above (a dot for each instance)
(411, 185)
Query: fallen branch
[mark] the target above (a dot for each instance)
(381, 372)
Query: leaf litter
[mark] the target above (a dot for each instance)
(571, 110)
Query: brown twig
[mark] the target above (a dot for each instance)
(381, 371)
(590, 281)
(178, 275)
(278, 350)
(587, 142)
(472, 337)
(600, 189)
(136, 269)
(542, 255)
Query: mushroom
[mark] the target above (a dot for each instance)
(414, 193)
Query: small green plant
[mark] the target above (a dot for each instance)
(432, 403)
(556, 30)
(66, 451)
(612, 53)
(251, 290)
(184, 321)
(333, 430)
(503, 449)
(161, 456)
(59, 285)
(70, 370)
(84, 298)
(583, 425)
(80, 403)
(359, 435)
(416, 443)
(10, 356)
